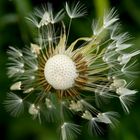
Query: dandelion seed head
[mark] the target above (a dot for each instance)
(60, 72)
(59, 78)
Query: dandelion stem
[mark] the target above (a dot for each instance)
(27, 96)
(69, 30)
(105, 42)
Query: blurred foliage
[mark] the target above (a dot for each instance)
(15, 31)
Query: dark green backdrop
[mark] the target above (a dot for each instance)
(16, 32)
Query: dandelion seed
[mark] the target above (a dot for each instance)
(33, 110)
(102, 96)
(76, 10)
(45, 19)
(49, 103)
(66, 76)
(33, 20)
(69, 131)
(125, 96)
(76, 106)
(28, 90)
(115, 32)
(117, 83)
(110, 18)
(14, 104)
(125, 91)
(125, 58)
(16, 86)
(103, 118)
(87, 115)
(15, 52)
(123, 46)
(126, 101)
(94, 126)
(35, 49)
(108, 118)
(58, 17)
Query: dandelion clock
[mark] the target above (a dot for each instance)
(57, 80)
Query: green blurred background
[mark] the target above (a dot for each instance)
(15, 31)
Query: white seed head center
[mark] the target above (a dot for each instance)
(60, 72)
